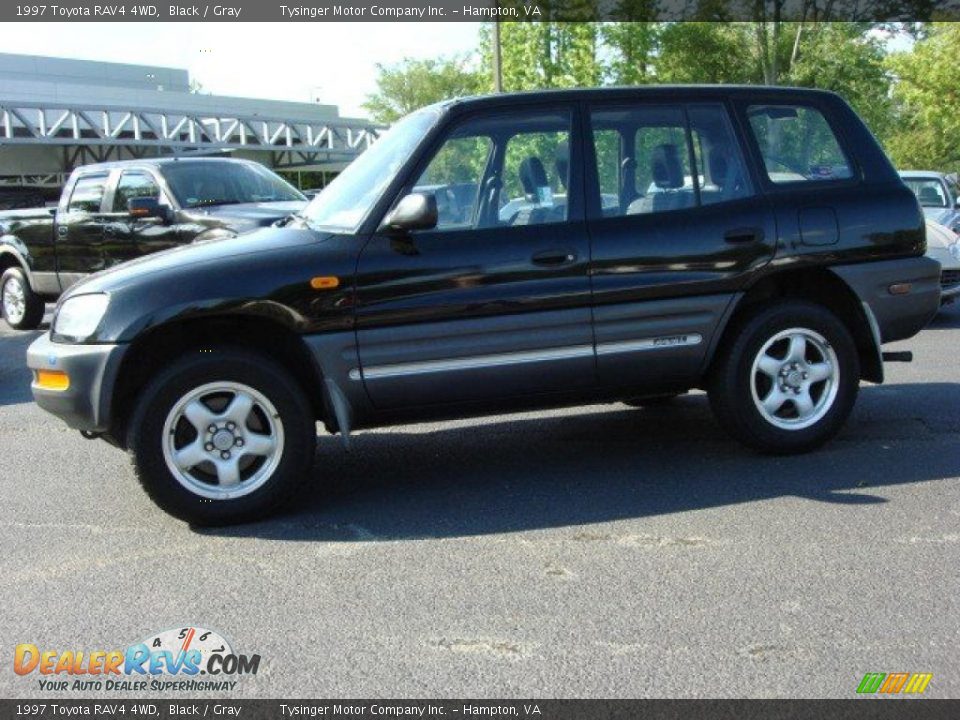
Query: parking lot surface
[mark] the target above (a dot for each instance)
(591, 552)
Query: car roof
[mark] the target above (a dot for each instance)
(158, 162)
(921, 174)
(634, 92)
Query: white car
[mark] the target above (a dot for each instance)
(943, 245)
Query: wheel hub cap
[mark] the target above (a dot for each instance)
(223, 440)
(795, 379)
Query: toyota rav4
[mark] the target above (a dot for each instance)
(503, 253)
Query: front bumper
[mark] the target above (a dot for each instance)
(92, 372)
(949, 273)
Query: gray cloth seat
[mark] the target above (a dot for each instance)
(668, 178)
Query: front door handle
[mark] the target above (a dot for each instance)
(744, 235)
(62, 230)
(554, 258)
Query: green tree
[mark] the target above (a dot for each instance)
(412, 83)
(927, 103)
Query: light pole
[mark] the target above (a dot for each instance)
(497, 70)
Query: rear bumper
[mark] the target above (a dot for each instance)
(92, 372)
(898, 316)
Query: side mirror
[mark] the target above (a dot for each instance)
(142, 208)
(416, 211)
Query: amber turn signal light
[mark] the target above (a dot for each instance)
(52, 379)
(324, 282)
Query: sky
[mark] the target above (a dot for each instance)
(280, 61)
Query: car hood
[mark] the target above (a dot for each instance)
(249, 215)
(944, 216)
(265, 240)
(939, 236)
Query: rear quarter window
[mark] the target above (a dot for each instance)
(797, 144)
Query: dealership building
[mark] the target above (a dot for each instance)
(56, 114)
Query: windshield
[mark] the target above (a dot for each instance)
(345, 203)
(201, 184)
(929, 191)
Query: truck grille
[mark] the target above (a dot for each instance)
(949, 278)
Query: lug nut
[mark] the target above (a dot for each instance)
(225, 455)
(239, 442)
(231, 426)
(208, 447)
(212, 429)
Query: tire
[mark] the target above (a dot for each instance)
(213, 390)
(22, 307)
(653, 401)
(775, 397)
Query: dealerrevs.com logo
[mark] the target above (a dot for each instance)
(186, 659)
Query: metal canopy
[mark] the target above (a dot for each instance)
(95, 132)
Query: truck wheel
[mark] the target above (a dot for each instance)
(789, 380)
(22, 307)
(222, 437)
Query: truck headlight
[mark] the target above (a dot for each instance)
(78, 317)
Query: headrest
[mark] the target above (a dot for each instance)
(533, 176)
(667, 170)
(561, 162)
(719, 164)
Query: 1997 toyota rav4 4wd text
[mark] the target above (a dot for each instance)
(511, 252)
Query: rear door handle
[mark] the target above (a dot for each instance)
(554, 258)
(743, 235)
(62, 230)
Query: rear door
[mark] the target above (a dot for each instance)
(494, 301)
(80, 228)
(676, 226)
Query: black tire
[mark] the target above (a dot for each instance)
(653, 401)
(33, 304)
(733, 383)
(145, 435)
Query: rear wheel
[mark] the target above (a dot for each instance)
(789, 380)
(222, 437)
(22, 307)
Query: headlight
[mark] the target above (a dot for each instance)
(78, 317)
(955, 251)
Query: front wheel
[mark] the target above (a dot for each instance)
(22, 307)
(222, 437)
(789, 380)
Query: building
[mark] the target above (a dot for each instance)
(56, 114)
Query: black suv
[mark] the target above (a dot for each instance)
(511, 252)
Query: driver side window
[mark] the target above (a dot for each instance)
(501, 171)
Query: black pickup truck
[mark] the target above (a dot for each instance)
(110, 213)
(511, 252)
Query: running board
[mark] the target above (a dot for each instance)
(901, 356)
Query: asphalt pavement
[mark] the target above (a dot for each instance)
(591, 552)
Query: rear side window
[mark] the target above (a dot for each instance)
(87, 194)
(797, 144)
(644, 161)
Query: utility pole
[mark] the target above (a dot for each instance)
(497, 70)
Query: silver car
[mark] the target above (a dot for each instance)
(943, 245)
(938, 195)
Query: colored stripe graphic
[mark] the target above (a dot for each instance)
(871, 682)
(918, 682)
(894, 683)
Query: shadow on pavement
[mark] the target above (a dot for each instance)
(530, 473)
(14, 375)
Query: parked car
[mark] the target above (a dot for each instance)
(211, 363)
(110, 213)
(943, 245)
(937, 194)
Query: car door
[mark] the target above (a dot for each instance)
(128, 237)
(494, 301)
(676, 226)
(80, 228)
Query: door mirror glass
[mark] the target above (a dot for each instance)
(416, 211)
(146, 207)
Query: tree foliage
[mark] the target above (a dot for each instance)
(905, 98)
